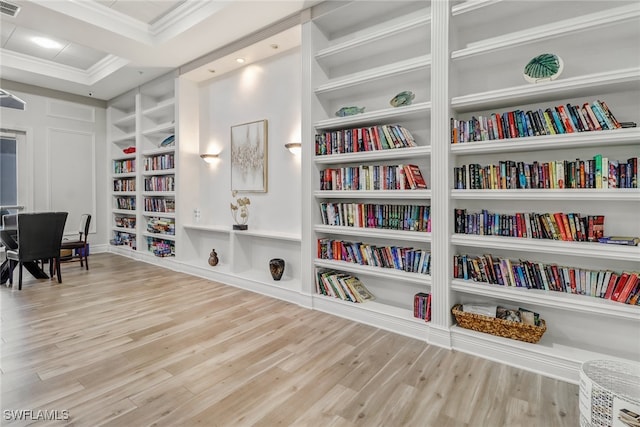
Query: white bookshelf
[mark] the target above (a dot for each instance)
(578, 327)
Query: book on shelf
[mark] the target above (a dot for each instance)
(620, 240)
(560, 119)
(422, 306)
(371, 178)
(555, 174)
(621, 287)
(373, 138)
(381, 216)
(341, 285)
(531, 225)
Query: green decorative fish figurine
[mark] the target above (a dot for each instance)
(403, 98)
(349, 111)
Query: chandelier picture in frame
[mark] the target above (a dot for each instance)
(249, 157)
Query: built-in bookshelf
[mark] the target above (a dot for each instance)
(362, 56)
(493, 43)
(143, 124)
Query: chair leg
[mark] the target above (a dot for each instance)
(86, 259)
(20, 276)
(58, 268)
(12, 266)
(51, 268)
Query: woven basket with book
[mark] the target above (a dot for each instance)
(499, 327)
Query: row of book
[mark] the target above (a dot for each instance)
(160, 183)
(519, 124)
(406, 259)
(124, 166)
(160, 162)
(617, 286)
(355, 140)
(124, 239)
(157, 204)
(371, 215)
(341, 285)
(161, 226)
(124, 184)
(555, 226)
(161, 248)
(422, 306)
(596, 173)
(373, 177)
(125, 221)
(126, 203)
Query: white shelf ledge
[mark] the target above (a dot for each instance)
(376, 194)
(589, 22)
(123, 156)
(618, 194)
(606, 138)
(210, 228)
(377, 117)
(125, 121)
(579, 249)
(581, 86)
(388, 273)
(365, 156)
(160, 236)
(125, 230)
(159, 172)
(125, 138)
(162, 129)
(390, 70)
(160, 214)
(266, 234)
(159, 193)
(560, 300)
(128, 212)
(123, 193)
(124, 175)
(378, 233)
(158, 151)
(164, 108)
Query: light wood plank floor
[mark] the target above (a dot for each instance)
(130, 344)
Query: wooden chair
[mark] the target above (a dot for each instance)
(39, 238)
(80, 246)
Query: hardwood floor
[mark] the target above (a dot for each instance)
(130, 344)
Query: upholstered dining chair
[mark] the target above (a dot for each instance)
(80, 245)
(39, 238)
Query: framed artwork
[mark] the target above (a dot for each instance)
(249, 157)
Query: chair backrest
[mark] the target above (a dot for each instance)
(85, 222)
(10, 220)
(40, 235)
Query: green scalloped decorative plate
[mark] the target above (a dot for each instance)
(543, 67)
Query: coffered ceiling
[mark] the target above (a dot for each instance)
(102, 48)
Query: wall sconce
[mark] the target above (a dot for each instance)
(209, 158)
(294, 147)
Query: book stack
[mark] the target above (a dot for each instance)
(124, 166)
(126, 203)
(622, 287)
(341, 285)
(556, 226)
(406, 259)
(520, 124)
(422, 306)
(125, 222)
(373, 177)
(159, 205)
(128, 184)
(161, 225)
(161, 162)
(599, 172)
(355, 140)
(161, 248)
(159, 183)
(371, 215)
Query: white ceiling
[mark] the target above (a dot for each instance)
(106, 47)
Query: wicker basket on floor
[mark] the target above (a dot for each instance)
(502, 328)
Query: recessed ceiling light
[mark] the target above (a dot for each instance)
(240, 60)
(274, 46)
(211, 70)
(46, 43)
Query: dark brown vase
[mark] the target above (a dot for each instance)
(213, 258)
(276, 267)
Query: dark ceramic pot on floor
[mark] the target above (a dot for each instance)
(276, 267)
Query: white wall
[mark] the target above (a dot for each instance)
(67, 143)
(269, 90)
